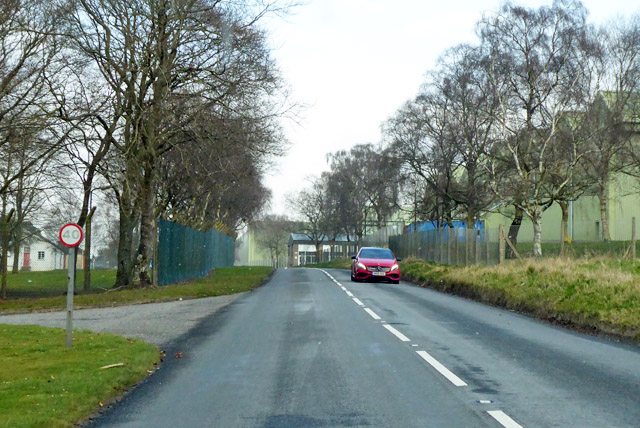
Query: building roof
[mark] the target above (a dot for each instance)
(304, 238)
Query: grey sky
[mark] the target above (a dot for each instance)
(355, 62)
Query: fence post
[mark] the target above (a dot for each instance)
(633, 237)
(466, 247)
(488, 244)
(449, 244)
(501, 245)
(476, 246)
(455, 246)
(562, 233)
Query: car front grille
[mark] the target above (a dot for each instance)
(378, 269)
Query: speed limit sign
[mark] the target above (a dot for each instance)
(71, 235)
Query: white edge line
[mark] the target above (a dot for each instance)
(442, 369)
(504, 419)
(396, 333)
(355, 299)
(373, 314)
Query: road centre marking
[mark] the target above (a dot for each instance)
(396, 333)
(373, 314)
(355, 299)
(504, 419)
(442, 369)
(349, 293)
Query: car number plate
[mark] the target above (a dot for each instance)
(378, 273)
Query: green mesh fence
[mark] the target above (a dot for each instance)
(185, 253)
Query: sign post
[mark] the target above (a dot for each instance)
(70, 236)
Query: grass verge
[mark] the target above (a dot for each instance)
(599, 294)
(222, 281)
(44, 384)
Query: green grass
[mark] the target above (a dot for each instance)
(222, 281)
(600, 293)
(44, 384)
(614, 249)
(54, 283)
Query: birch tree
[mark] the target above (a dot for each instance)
(535, 71)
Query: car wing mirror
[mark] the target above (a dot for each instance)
(353, 257)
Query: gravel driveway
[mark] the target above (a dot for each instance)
(156, 323)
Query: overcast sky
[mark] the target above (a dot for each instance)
(355, 62)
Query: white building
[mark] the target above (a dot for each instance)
(41, 256)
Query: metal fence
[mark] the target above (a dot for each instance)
(281, 262)
(185, 253)
(489, 246)
(450, 246)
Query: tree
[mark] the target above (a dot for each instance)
(311, 206)
(612, 110)
(163, 63)
(420, 135)
(535, 67)
(272, 233)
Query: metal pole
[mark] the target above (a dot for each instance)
(70, 270)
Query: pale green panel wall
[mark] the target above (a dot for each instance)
(625, 204)
(550, 224)
(257, 254)
(586, 219)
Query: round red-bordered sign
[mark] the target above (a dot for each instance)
(71, 235)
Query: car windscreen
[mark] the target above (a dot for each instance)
(376, 253)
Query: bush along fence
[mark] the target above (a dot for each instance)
(490, 246)
(185, 253)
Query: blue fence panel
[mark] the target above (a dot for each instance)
(185, 253)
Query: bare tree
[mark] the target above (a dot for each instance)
(535, 68)
(311, 206)
(155, 56)
(272, 233)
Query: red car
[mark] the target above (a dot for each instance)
(373, 263)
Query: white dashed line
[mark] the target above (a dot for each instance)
(373, 314)
(504, 419)
(442, 369)
(349, 293)
(396, 333)
(355, 299)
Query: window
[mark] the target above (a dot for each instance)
(40, 255)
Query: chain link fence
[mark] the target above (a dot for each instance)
(185, 253)
(462, 246)
(449, 246)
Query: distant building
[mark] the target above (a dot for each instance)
(40, 255)
(302, 250)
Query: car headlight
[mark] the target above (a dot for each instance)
(394, 267)
(362, 266)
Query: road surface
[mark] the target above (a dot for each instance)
(312, 349)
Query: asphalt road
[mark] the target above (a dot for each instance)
(312, 349)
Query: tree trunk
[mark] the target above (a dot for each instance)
(4, 235)
(87, 250)
(537, 232)
(125, 238)
(146, 247)
(564, 206)
(471, 217)
(17, 241)
(514, 229)
(603, 196)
